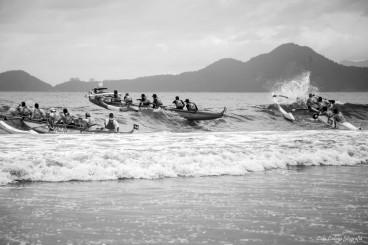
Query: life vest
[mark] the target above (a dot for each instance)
(179, 104)
(67, 118)
(157, 102)
(191, 106)
(127, 99)
(339, 118)
(145, 102)
(110, 125)
(91, 121)
(313, 102)
(323, 103)
(328, 113)
(37, 114)
(25, 111)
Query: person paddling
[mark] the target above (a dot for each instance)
(323, 103)
(328, 113)
(67, 118)
(178, 103)
(53, 117)
(191, 106)
(156, 101)
(312, 103)
(38, 114)
(144, 101)
(24, 110)
(89, 123)
(127, 99)
(338, 117)
(111, 124)
(116, 97)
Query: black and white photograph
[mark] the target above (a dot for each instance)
(183, 122)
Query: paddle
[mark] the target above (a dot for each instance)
(278, 95)
(88, 127)
(299, 109)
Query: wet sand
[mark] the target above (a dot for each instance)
(299, 205)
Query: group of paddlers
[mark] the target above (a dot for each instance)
(325, 107)
(62, 118)
(156, 103)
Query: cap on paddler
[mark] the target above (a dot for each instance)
(111, 115)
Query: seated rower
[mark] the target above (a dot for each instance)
(328, 113)
(12, 113)
(24, 110)
(53, 117)
(89, 122)
(111, 124)
(127, 99)
(116, 97)
(144, 101)
(312, 103)
(191, 106)
(38, 114)
(67, 118)
(323, 103)
(178, 103)
(338, 117)
(156, 101)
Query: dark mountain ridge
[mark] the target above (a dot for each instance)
(258, 74)
(22, 81)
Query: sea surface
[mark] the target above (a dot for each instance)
(251, 177)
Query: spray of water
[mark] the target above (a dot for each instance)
(295, 89)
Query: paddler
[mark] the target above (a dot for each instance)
(89, 122)
(111, 124)
(178, 103)
(67, 118)
(116, 97)
(338, 117)
(312, 103)
(156, 101)
(328, 113)
(323, 103)
(53, 116)
(12, 112)
(38, 114)
(144, 101)
(191, 106)
(24, 110)
(127, 99)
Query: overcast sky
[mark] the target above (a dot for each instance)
(55, 40)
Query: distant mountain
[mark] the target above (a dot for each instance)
(363, 63)
(22, 81)
(258, 74)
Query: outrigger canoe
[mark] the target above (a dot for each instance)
(43, 127)
(102, 98)
(6, 127)
(198, 115)
(344, 125)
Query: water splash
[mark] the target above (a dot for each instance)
(295, 89)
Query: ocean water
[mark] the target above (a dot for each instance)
(251, 177)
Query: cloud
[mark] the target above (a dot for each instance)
(57, 39)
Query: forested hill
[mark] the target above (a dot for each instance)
(22, 81)
(230, 75)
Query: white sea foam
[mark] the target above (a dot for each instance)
(160, 155)
(295, 89)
